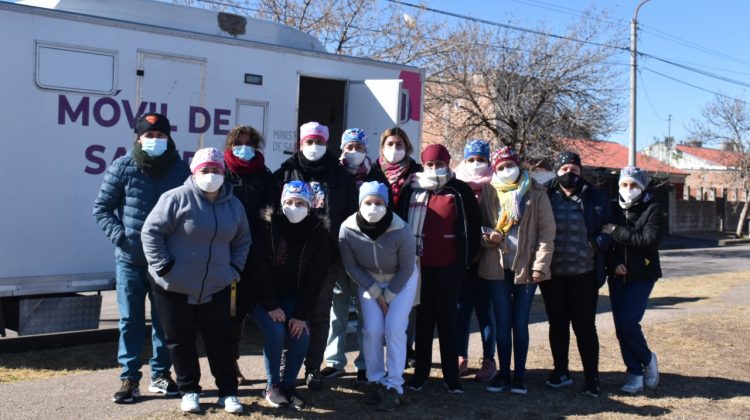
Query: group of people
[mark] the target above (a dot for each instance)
(414, 246)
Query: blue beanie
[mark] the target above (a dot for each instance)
(477, 148)
(297, 189)
(373, 188)
(637, 175)
(353, 134)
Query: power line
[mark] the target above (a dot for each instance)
(695, 86)
(699, 71)
(693, 45)
(648, 97)
(507, 26)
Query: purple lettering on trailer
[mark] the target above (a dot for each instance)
(64, 108)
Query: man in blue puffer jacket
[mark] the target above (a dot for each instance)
(131, 188)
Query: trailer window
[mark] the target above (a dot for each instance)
(76, 69)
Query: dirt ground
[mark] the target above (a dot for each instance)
(699, 327)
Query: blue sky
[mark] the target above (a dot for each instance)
(712, 36)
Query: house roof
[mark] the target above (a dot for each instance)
(715, 156)
(611, 155)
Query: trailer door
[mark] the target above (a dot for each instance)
(176, 83)
(376, 105)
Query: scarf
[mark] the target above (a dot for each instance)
(396, 174)
(317, 169)
(359, 172)
(244, 167)
(510, 196)
(155, 167)
(374, 230)
(476, 182)
(430, 182)
(417, 212)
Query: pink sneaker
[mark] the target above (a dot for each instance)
(463, 366)
(487, 371)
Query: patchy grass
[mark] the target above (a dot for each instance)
(699, 327)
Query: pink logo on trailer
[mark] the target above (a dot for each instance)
(414, 86)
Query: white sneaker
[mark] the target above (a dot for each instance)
(231, 404)
(191, 403)
(634, 384)
(651, 372)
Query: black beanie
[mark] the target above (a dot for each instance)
(565, 158)
(153, 122)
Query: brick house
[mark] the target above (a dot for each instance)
(712, 173)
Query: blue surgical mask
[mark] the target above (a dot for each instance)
(153, 146)
(243, 152)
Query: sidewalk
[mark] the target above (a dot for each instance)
(701, 239)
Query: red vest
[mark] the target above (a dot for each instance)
(440, 236)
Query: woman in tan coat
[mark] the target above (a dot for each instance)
(518, 239)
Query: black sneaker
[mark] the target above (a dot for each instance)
(499, 384)
(330, 372)
(313, 381)
(590, 388)
(128, 392)
(163, 384)
(455, 388)
(390, 402)
(415, 384)
(274, 396)
(518, 386)
(411, 359)
(362, 376)
(374, 394)
(558, 380)
(294, 399)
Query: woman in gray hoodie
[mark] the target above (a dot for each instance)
(196, 240)
(378, 250)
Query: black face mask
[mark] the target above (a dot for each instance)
(569, 180)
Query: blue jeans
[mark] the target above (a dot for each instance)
(132, 289)
(512, 304)
(276, 333)
(343, 293)
(628, 306)
(475, 296)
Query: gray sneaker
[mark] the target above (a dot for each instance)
(634, 384)
(651, 373)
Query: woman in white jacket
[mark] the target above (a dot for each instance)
(378, 251)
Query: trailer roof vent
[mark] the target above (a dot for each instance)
(232, 24)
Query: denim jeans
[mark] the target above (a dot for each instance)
(343, 293)
(628, 306)
(132, 289)
(276, 334)
(512, 304)
(475, 297)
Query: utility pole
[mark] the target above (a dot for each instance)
(669, 126)
(633, 74)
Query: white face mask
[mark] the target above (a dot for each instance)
(508, 175)
(209, 182)
(314, 152)
(372, 213)
(476, 168)
(354, 159)
(294, 214)
(393, 155)
(629, 196)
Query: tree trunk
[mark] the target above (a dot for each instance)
(743, 217)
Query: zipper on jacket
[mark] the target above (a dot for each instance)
(302, 256)
(466, 232)
(210, 248)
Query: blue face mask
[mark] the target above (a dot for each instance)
(153, 147)
(243, 152)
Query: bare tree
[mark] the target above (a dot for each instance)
(727, 120)
(526, 90)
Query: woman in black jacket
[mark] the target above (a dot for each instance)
(445, 218)
(290, 260)
(254, 186)
(634, 267)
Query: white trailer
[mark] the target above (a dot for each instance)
(77, 73)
